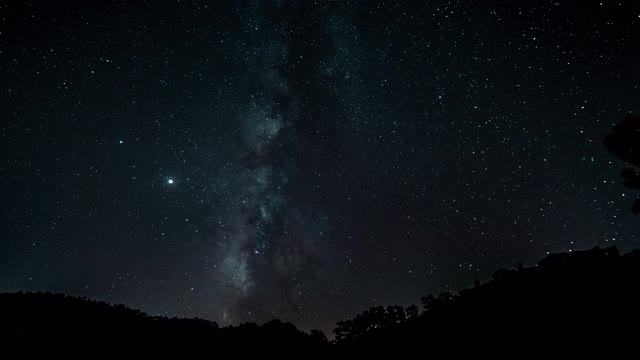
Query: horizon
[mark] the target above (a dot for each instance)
(330, 334)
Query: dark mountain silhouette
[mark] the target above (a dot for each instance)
(573, 301)
(68, 322)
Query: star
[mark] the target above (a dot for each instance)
(170, 181)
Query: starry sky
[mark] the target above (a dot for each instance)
(240, 161)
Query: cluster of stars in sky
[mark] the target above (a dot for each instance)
(241, 161)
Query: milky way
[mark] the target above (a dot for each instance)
(263, 246)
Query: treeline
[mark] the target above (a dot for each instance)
(566, 301)
(585, 298)
(63, 321)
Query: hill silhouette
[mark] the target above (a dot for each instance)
(64, 321)
(577, 301)
(584, 300)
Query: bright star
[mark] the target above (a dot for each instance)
(170, 181)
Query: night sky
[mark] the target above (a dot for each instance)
(240, 161)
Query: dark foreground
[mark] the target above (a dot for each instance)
(580, 302)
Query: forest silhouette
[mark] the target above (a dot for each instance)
(578, 301)
(588, 299)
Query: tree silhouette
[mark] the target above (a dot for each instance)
(575, 301)
(624, 142)
(412, 312)
(580, 300)
(318, 335)
(377, 317)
